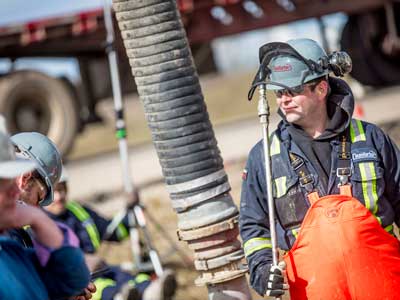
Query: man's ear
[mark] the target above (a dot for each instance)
(23, 180)
(322, 89)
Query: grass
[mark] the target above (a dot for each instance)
(225, 97)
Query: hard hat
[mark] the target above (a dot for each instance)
(40, 149)
(64, 175)
(10, 167)
(294, 63)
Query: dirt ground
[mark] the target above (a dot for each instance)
(161, 221)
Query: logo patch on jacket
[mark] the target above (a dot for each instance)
(244, 174)
(364, 154)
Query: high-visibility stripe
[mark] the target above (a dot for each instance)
(101, 284)
(295, 232)
(122, 232)
(275, 147)
(141, 277)
(82, 215)
(357, 133)
(389, 228)
(280, 184)
(256, 244)
(368, 176)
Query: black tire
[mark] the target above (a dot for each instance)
(362, 70)
(370, 65)
(32, 101)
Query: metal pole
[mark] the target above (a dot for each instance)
(263, 114)
(135, 215)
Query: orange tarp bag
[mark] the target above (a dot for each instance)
(342, 253)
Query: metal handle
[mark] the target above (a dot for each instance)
(263, 113)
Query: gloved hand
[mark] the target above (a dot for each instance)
(276, 285)
(133, 199)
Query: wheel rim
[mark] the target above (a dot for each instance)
(30, 112)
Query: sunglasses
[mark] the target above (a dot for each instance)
(291, 92)
(294, 91)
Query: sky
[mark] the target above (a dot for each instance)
(228, 54)
(14, 11)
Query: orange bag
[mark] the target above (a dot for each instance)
(342, 253)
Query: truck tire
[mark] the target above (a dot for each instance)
(33, 101)
(362, 38)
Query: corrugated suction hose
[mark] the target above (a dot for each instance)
(169, 88)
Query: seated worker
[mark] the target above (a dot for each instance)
(36, 186)
(90, 228)
(52, 269)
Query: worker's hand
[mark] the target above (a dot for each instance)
(276, 285)
(133, 198)
(87, 293)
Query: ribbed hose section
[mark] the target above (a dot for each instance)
(169, 88)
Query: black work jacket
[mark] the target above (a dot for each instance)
(375, 182)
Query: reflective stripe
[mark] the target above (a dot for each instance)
(122, 232)
(357, 133)
(295, 232)
(256, 244)
(368, 177)
(280, 184)
(275, 147)
(141, 277)
(389, 229)
(82, 215)
(101, 284)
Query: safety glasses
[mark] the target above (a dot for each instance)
(295, 91)
(291, 92)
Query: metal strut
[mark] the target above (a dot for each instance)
(135, 214)
(263, 114)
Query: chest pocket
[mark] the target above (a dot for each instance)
(368, 183)
(290, 203)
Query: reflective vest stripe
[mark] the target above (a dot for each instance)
(101, 284)
(280, 184)
(256, 244)
(357, 133)
(82, 215)
(389, 228)
(275, 147)
(295, 232)
(122, 232)
(368, 176)
(141, 277)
